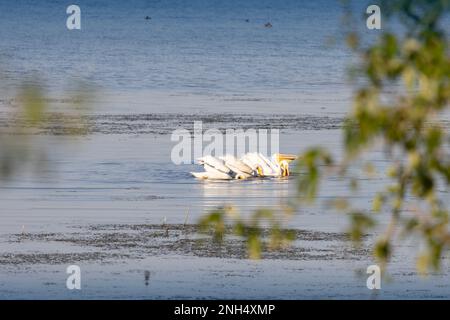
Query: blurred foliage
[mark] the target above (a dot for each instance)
(28, 116)
(403, 87)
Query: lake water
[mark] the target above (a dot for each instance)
(113, 202)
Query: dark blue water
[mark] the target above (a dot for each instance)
(195, 46)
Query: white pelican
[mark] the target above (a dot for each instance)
(277, 166)
(238, 166)
(250, 165)
(283, 160)
(216, 169)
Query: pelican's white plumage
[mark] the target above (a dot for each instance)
(251, 164)
(238, 166)
(216, 169)
(211, 175)
(262, 165)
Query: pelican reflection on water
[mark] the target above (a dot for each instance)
(250, 165)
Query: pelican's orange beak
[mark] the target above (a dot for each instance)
(285, 169)
(286, 157)
(259, 171)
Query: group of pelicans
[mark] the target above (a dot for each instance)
(250, 165)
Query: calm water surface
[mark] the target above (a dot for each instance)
(191, 60)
